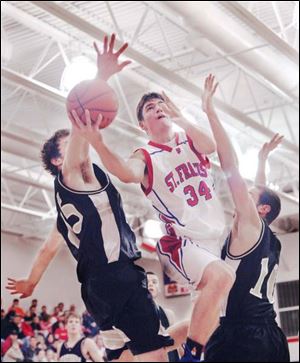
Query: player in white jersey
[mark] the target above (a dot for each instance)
(174, 173)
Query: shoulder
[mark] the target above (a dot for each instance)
(139, 154)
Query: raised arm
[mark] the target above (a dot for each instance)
(228, 158)
(45, 255)
(202, 142)
(131, 171)
(263, 154)
(77, 152)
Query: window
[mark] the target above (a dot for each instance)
(288, 304)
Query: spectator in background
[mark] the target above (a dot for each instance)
(40, 356)
(34, 302)
(46, 326)
(51, 355)
(26, 327)
(61, 332)
(32, 312)
(16, 308)
(90, 327)
(13, 353)
(50, 340)
(167, 317)
(28, 350)
(61, 307)
(15, 324)
(36, 324)
(44, 314)
(41, 341)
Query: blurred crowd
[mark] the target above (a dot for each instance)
(36, 335)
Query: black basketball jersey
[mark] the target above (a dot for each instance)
(73, 354)
(251, 296)
(94, 226)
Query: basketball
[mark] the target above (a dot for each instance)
(96, 96)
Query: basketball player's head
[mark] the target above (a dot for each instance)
(152, 119)
(267, 202)
(153, 284)
(73, 324)
(53, 151)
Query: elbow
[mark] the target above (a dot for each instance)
(212, 147)
(126, 179)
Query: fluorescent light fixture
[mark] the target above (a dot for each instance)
(79, 69)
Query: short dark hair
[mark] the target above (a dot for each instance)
(145, 98)
(268, 197)
(72, 315)
(50, 150)
(151, 273)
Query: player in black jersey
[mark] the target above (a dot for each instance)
(91, 221)
(78, 348)
(248, 331)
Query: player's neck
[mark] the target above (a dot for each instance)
(163, 138)
(73, 338)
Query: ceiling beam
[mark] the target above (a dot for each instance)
(97, 33)
(261, 29)
(33, 23)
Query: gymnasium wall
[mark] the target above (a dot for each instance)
(60, 284)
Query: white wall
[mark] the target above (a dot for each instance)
(58, 284)
(289, 259)
(60, 281)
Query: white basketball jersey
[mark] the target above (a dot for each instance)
(181, 189)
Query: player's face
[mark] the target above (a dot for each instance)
(155, 119)
(73, 325)
(62, 146)
(153, 285)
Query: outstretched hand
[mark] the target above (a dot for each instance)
(107, 61)
(89, 130)
(210, 88)
(269, 146)
(170, 108)
(23, 287)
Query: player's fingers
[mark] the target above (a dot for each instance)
(215, 88)
(166, 98)
(98, 122)
(112, 43)
(96, 48)
(15, 292)
(105, 43)
(88, 119)
(77, 120)
(124, 64)
(122, 49)
(10, 279)
(10, 287)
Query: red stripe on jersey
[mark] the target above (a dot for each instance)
(171, 245)
(150, 171)
(162, 146)
(203, 158)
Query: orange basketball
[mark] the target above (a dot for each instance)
(96, 96)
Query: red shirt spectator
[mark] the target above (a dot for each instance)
(61, 332)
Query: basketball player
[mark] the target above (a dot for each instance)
(248, 331)
(175, 175)
(78, 348)
(167, 317)
(91, 220)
